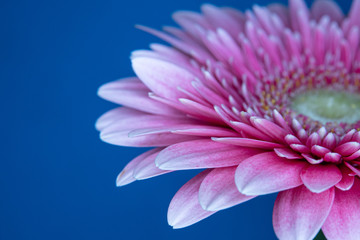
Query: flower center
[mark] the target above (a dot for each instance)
(325, 106)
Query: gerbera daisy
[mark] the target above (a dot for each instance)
(265, 101)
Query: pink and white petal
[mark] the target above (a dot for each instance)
(295, 8)
(218, 18)
(353, 14)
(121, 138)
(192, 129)
(329, 8)
(218, 190)
(348, 148)
(299, 214)
(126, 176)
(347, 181)
(247, 142)
(207, 131)
(185, 209)
(162, 129)
(126, 118)
(281, 11)
(343, 221)
(287, 153)
(318, 178)
(116, 125)
(163, 77)
(203, 153)
(131, 92)
(353, 169)
(127, 83)
(146, 168)
(268, 173)
(116, 114)
(269, 128)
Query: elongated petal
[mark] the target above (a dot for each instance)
(203, 153)
(126, 175)
(267, 173)
(127, 118)
(353, 15)
(116, 125)
(343, 221)
(299, 214)
(318, 178)
(269, 128)
(131, 92)
(247, 142)
(287, 153)
(185, 209)
(326, 7)
(121, 138)
(115, 115)
(163, 77)
(207, 131)
(218, 190)
(347, 181)
(192, 129)
(146, 168)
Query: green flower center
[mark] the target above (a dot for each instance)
(328, 106)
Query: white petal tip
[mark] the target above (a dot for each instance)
(164, 166)
(123, 179)
(249, 191)
(211, 206)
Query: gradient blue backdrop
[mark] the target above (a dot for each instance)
(57, 178)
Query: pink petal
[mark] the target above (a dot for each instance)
(202, 153)
(329, 141)
(299, 213)
(114, 115)
(269, 128)
(131, 92)
(319, 151)
(206, 113)
(163, 77)
(220, 19)
(218, 190)
(347, 149)
(207, 131)
(332, 157)
(182, 128)
(116, 125)
(146, 168)
(287, 153)
(343, 221)
(353, 14)
(248, 142)
(326, 7)
(121, 138)
(185, 209)
(126, 175)
(249, 130)
(296, 7)
(318, 178)
(281, 11)
(352, 168)
(353, 156)
(347, 181)
(267, 173)
(311, 159)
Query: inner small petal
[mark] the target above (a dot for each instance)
(327, 105)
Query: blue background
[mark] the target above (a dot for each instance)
(57, 178)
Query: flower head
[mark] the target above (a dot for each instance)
(265, 101)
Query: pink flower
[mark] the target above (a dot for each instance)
(265, 101)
